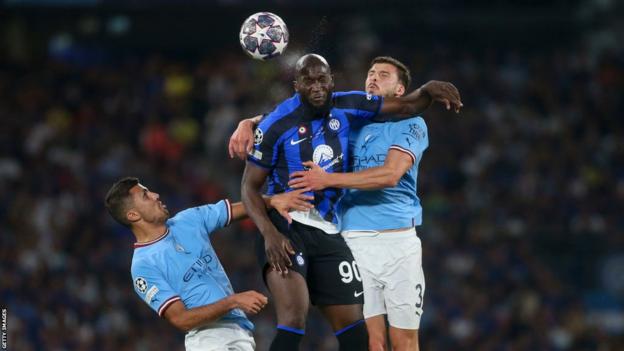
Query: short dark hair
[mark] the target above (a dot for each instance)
(310, 60)
(117, 199)
(404, 73)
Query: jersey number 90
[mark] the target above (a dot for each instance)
(348, 271)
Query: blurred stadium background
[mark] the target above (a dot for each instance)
(523, 193)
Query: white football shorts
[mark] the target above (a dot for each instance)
(220, 337)
(390, 264)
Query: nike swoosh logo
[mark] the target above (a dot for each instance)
(292, 142)
(357, 294)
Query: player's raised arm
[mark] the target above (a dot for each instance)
(278, 247)
(187, 319)
(398, 108)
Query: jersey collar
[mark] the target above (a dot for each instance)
(147, 243)
(310, 113)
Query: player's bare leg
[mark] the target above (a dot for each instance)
(348, 326)
(376, 333)
(341, 316)
(290, 296)
(404, 339)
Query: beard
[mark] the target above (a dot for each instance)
(320, 110)
(162, 217)
(166, 215)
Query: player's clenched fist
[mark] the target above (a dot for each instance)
(249, 301)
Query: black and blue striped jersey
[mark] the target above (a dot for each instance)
(294, 133)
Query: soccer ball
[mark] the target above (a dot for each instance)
(263, 35)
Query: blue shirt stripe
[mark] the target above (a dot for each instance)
(294, 132)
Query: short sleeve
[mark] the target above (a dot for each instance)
(152, 288)
(210, 217)
(410, 136)
(265, 147)
(358, 104)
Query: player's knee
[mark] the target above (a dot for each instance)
(294, 313)
(291, 313)
(376, 340)
(292, 320)
(406, 341)
(376, 344)
(376, 327)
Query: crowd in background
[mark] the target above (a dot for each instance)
(522, 193)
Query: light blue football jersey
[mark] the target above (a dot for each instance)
(389, 208)
(182, 265)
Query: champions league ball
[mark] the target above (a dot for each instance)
(263, 36)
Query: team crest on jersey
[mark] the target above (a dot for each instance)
(322, 153)
(416, 131)
(334, 124)
(299, 258)
(369, 97)
(141, 285)
(258, 136)
(302, 130)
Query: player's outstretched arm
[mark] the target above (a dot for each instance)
(278, 248)
(187, 319)
(241, 141)
(397, 163)
(283, 203)
(240, 212)
(398, 108)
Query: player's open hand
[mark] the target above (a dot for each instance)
(278, 250)
(295, 200)
(250, 301)
(241, 142)
(315, 178)
(445, 93)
